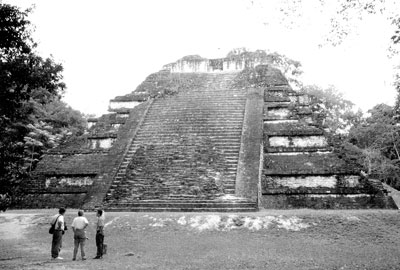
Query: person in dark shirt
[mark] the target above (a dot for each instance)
(60, 227)
(100, 233)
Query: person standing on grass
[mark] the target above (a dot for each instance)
(100, 233)
(79, 225)
(59, 228)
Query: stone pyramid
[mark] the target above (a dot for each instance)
(204, 135)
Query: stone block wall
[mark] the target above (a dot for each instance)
(299, 167)
(327, 201)
(128, 101)
(181, 135)
(52, 200)
(115, 105)
(297, 141)
(212, 65)
(102, 143)
(63, 179)
(68, 175)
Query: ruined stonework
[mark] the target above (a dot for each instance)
(204, 135)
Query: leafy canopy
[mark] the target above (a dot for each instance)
(339, 112)
(32, 117)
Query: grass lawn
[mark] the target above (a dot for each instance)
(269, 239)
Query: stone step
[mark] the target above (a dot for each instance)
(174, 108)
(184, 199)
(197, 111)
(187, 138)
(172, 151)
(187, 203)
(229, 177)
(233, 150)
(177, 209)
(169, 177)
(198, 99)
(187, 158)
(198, 103)
(233, 155)
(196, 126)
(215, 130)
(181, 157)
(168, 153)
(205, 96)
(194, 136)
(201, 114)
(196, 117)
(173, 139)
(195, 108)
(209, 135)
(177, 141)
(183, 205)
(195, 120)
(172, 168)
(164, 145)
(183, 123)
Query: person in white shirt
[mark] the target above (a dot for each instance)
(79, 225)
(59, 228)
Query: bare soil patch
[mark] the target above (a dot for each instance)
(279, 239)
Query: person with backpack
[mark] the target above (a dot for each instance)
(58, 223)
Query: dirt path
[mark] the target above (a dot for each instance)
(285, 239)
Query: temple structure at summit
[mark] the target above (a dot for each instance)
(202, 134)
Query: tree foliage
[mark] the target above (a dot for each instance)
(332, 21)
(372, 143)
(340, 114)
(53, 123)
(32, 117)
(378, 139)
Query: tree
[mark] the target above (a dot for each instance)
(27, 83)
(331, 21)
(53, 123)
(340, 115)
(397, 103)
(378, 138)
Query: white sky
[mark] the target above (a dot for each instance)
(108, 48)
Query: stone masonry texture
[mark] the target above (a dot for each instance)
(220, 140)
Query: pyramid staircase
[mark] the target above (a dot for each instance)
(185, 153)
